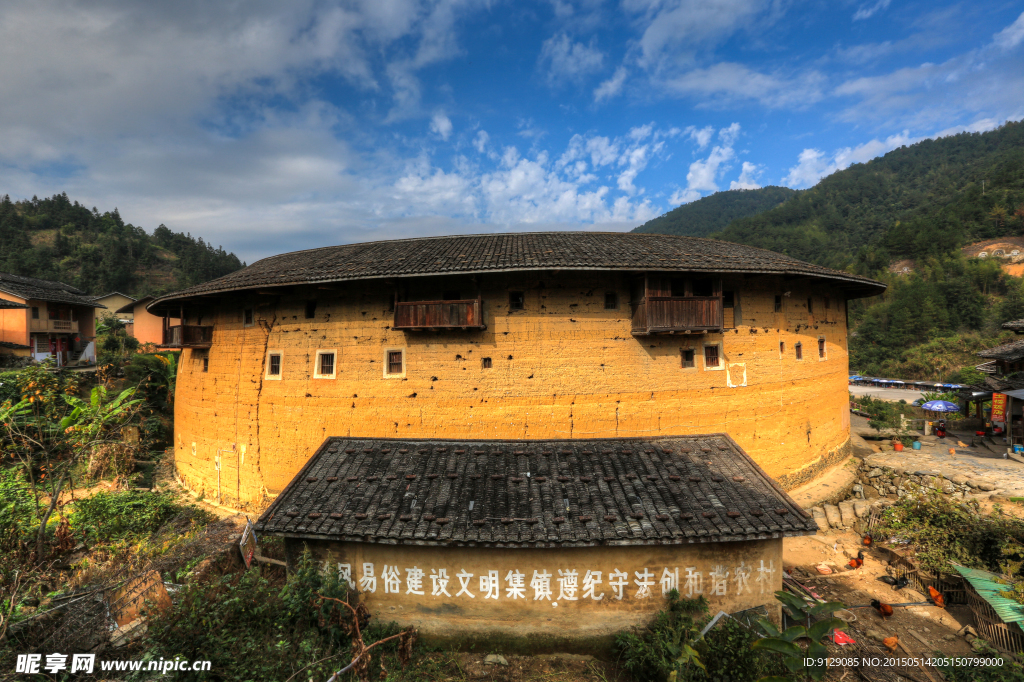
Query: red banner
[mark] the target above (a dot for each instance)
(999, 407)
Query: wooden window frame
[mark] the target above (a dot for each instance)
(782, 349)
(522, 297)
(613, 298)
(718, 354)
(387, 363)
(316, 364)
(206, 364)
(486, 363)
(798, 350)
(249, 312)
(778, 303)
(822, 349)
(35, 312)
(280, 365)
(690, 363)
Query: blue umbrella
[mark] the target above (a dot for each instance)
(940, 406)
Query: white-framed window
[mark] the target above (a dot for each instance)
(822, 349)
(248, 317)
(713, 359)
(325, 365)
(394, 363)
(275, 365)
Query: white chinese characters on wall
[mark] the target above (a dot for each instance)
(564, 584)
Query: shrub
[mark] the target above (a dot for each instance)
(17, 510)
(130, 515)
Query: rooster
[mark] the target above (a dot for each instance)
(884, 610)
(867, 540)
(936, 597)
(891, 643)
(857, 561)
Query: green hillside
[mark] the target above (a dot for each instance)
(712, 213)
(921, 203)
(61, 240)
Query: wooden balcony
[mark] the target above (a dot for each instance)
(677, 315)
(439, 315)
(65, 326)
(187, 336)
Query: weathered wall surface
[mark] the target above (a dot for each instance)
(581, 594)
(564, 367)
(148, 327)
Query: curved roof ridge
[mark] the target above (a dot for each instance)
(517, 251)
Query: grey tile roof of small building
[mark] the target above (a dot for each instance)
(44, 290)
(13, 346)
(112, 293)
(473, 254)
(4, 303)
(1011, 352)
(552, 493)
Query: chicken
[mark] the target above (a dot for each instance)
(961, 444)
(867, 540)
(936, 597)
(884, 610)
(897, 583)
(891, 643)
(857, 561)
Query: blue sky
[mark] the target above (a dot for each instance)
(269, 127)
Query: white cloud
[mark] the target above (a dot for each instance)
(441, 125)
(611, 87)
(866, 12)
(1011, 36)
(684, 196)
(703, 173)
(748, 177)
(813, 164)
(566, 60)
(729, 82)
(702, 136)
(481, 140)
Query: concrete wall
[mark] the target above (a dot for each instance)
(564, 367)
(554, 605)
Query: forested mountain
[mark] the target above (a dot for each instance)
(920, 203)
(712, 213)
(62, 240)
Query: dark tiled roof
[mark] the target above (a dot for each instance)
(11, 304)
(112, 293)
(1011, 352)
(44, 290)
(467, 254)
(1015, 325)
(13, 346)
(130, 307)
(619, 492)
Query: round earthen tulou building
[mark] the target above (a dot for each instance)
(508, 336)
(496, 434)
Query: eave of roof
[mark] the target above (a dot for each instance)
(620, 491)
(1011, 352)
(130, 308)
(519, 252)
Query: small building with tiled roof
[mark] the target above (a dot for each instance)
(145, 326)
(47, 320)
(556, 539)
(114, 302)
(560, 335)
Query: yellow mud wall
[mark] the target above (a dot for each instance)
(540, 594)
(564, 367)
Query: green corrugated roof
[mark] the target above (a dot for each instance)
(987, 587)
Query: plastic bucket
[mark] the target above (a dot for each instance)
(898, 446)
(916, 445)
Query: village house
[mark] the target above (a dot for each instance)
(529, 349)
(1004, 371)
(51, 320)
(146, 327)
(113, 302)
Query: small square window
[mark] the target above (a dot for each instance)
(810, 304)
(611, 300)
(395, 365)
(778, 303)
(486, 363)
(799, 348)
(248, 318)
(688, 357)
(516, 300)
(274, 364)
(821, 349)
(310, 310)
(35, 313)
(711, 357)
(324, 366)
(206, 364)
